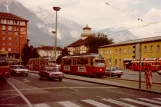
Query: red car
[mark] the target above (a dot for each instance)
(51, 73)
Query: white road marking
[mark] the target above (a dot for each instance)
(95, 103)
(119, 103)
(140, 102)
(41, 105)
(68, 104)
(153, 101)
(157, 98)
(9, 97)
(26, 100)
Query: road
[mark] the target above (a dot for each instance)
(31, 91)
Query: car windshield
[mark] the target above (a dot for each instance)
(19, 67)
(51, 69)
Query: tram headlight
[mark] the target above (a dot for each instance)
(100, 69)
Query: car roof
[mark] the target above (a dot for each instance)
(17, 65)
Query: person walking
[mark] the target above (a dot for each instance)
(148, 77)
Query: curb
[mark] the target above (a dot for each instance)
(144, 90)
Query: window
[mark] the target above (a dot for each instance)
(3, 38)
(124, 50)
(101, 52)
(129, 50)
(145, 48)
(3, 44)
(158, 48)
(9, 38)
(3, 49)
(107, 52)
(10, 32)
(10, 28)
(151, 48)
(110, 51)
(3, 21)
(16, 39)
(3, 27)
(116, 51)
(16, 33)
(22, 23)
(3, 31)
(120, 61)
(9, 49)
(9, 44)
(120, 50)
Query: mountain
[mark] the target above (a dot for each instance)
(41, 24)
(119, 34)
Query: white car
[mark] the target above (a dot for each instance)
(159, 72)
(113, 71)
(19, 70)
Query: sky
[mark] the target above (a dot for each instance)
(100, 14)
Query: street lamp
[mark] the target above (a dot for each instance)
(56, 9)
(20, 47)
(54, 47)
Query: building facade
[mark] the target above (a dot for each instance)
(13, 34)
(47, 51)
(121, 54)
(81, 46)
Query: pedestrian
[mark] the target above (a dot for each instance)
(148, 77)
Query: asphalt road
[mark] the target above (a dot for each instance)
(31, 91)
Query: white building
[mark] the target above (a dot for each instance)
(81, 46)
(47, 51)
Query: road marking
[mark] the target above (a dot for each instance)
(17, 105)
(60, 88)
(41, 105)
(157, 98)
(9, 97)
(119, 103)
(68, 104)
(140, 102)
(26, 100)
(153, 101)
(95, 103)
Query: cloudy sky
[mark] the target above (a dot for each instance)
(100, 14)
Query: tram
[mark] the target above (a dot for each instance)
(84, 64)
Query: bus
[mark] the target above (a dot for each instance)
(39, 63)
(154, 65)
(4, 67)
(84, 64)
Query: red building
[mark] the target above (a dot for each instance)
(13, 34)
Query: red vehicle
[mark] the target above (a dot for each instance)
(40, 63)
(154, 65)
(84, 64)
(4, 68)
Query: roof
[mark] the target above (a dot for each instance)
(10, 16)
(143, 40)
(79, 42)
(48, 48)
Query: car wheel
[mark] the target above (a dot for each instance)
(41, 77)
(119, 76)
(60, 79)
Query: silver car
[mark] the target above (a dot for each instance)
(159, 72)
(51, 73)
(113, 71)
(18, 70)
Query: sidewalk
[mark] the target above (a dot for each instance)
(156, 88)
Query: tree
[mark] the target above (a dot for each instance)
(28, 52)
(97, 40)
(64, 52)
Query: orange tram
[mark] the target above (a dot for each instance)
(154, 65)
(84, 64)
(40, 63)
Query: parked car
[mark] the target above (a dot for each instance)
(51, 73)
(159, 72)
(18, 70)
(113, 71)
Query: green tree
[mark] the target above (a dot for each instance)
(27, 53)
(64, 52)
(97, 40)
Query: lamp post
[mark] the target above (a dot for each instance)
(54, 47)
(56, 9)
(20, 47)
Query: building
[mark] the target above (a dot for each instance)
(13, 34)
(81, 46)
(47, 51)
(121, 54)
